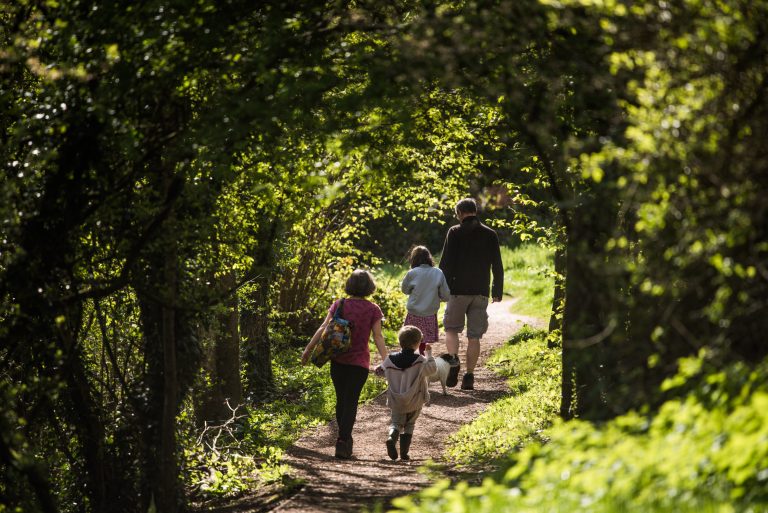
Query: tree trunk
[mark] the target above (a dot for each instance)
(91, 431)
(555, 319)
(157, 292)
(159, 326)
(583, 340)
(228, 349)
(254, 323)
(223, 365)
(165, 493)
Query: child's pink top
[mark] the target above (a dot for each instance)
(362, 314)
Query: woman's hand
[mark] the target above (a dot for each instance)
(315, 339)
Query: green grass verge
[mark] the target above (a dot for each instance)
(706, 451)
(529, 280)
(533, 373)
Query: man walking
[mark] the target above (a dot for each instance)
(471, 251)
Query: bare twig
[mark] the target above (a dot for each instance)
(583, 343)
(219, 430)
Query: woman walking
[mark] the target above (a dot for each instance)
(349, 370)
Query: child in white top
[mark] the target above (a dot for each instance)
(407, 375)
(426, 286)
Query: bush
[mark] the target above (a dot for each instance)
(705, 451)
(392, 304)
(533, 372)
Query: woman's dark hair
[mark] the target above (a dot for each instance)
(466, 206)
(420, 255)
(360, 283)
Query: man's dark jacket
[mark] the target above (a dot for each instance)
(470, 251)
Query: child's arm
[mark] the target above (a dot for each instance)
(315, 339)
(406, 285)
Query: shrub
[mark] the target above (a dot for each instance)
(704, 451)
(533, 372)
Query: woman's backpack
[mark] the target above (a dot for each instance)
(336, 339)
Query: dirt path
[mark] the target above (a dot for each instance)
(345, 486)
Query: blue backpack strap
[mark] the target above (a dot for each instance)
(339, 310)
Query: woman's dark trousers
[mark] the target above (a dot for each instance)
(348, 380)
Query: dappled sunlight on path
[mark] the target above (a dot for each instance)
(333, 485)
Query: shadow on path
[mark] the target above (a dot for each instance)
(332, 485)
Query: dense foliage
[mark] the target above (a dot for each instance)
(703, 452)
(644, 123)
(187, 183)
(532, 369)
(184, 186)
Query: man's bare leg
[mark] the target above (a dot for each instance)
(452, 342)
(473, 352)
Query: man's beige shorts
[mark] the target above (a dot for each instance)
(474, 308)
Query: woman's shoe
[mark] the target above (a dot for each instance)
(343, 449)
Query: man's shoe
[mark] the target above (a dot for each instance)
(468, 381)
(453, 372)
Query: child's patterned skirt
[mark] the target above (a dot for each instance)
(427, 325)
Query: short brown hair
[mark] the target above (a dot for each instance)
(420, 255)
(360, 283)
(409, 337)
(466, 206)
